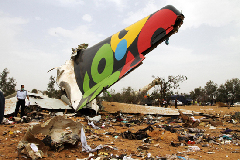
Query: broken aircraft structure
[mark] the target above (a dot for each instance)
(92, 70)
(37, 100)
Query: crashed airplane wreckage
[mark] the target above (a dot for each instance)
(92, 70)
(39, 102)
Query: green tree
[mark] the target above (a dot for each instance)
(51, 91)
(7, 85)
(210, 90)
(199, 94)
(129, 96)
(222, 94)
(34, 91)
(229, 91)
(166, 87)
(233, 89)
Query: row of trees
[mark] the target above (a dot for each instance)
(8, 85)
(227, 92)
(128, 95)
(163, 89)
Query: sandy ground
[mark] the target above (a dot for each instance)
(160, 144)
(113, 107)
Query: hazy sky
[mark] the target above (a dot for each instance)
(38, 35)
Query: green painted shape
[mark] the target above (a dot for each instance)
(104, 52)
(86, 82)
(97, 89)
(108, 93)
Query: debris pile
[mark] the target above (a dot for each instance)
(57, 132)
(124, 136)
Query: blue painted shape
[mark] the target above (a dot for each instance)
(121, 49)
(181, 157)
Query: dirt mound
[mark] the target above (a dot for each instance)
(165, 136)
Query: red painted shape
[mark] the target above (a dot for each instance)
(164, 18)
(129, 60)
(130, 57)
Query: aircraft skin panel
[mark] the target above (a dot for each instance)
(100, 66)
(158, 21)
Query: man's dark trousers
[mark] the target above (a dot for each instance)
(2, 106)
(20, 102)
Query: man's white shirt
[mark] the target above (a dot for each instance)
(21, 94)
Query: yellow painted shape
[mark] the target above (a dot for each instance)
(132, 33)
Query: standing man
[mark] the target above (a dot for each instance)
(21, 96)
(2, 106)
(175, 102)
